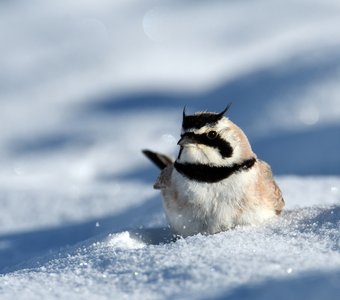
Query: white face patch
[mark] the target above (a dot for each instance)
(205, 154)
(201, 154)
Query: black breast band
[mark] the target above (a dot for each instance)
(211, 174)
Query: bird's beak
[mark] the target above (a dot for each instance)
(186, 140)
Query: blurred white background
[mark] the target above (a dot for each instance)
(85, 85)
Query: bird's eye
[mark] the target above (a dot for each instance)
(212, 134)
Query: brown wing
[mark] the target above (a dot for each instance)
(274, 194)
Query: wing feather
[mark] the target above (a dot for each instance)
(275, 194)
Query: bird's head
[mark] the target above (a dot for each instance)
(212, 139)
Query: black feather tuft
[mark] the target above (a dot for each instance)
(225, 110)
(199, 120)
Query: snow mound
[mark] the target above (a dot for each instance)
(123, 241)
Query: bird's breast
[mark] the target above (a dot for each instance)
(192, 207)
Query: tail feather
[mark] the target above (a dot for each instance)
(160, 160)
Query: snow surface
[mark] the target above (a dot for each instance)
(301, 250)
(85, 86)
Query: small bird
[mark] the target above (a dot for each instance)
(217, 182)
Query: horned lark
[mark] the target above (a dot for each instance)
(216, 182)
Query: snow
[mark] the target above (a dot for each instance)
(300, 246)
(85, 86)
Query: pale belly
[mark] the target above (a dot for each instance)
(193, 207)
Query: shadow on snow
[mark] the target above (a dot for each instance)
(21, 247)
(299, 153)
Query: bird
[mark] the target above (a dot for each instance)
(216, 183)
